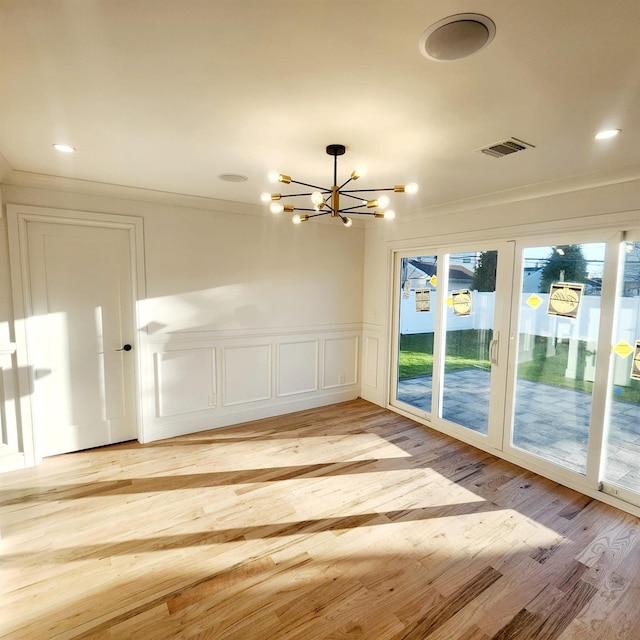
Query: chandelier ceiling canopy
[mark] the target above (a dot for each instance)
(326, 200)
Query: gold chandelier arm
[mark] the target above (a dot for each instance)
(366, 190)
(348, 195)
(352, 209)
(312, 186)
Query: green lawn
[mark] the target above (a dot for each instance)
(470, 348)
(465, 349)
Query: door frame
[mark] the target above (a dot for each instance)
(493, 439)
(599, 396)
(18, 216)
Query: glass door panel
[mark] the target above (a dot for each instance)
(418, 299)
(622, 444)
(468, 336)
(559, 315)
(447, 351)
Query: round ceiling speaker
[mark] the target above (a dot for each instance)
(457, 37)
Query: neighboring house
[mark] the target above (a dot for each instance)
(460, 277)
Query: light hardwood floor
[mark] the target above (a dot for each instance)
(337, 523)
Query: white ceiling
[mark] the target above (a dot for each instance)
(169, 94)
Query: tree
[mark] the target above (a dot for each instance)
(484, 278)
(566, 263)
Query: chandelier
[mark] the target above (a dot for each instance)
(326, 200)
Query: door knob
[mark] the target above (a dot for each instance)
(127, 347)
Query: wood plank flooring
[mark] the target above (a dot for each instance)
(337, 523)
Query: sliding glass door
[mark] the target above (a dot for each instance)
(531, 348)
(448, 347)
(418, 300)
(621, 453)
(559, 311)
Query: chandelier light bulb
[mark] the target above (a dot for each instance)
(358, 173)
(389, 214)
(316, 198)
(296, 219)
(411, 188)
(346, 221)
(273, 176)
(383, 202)
(276, 207)
(265, 197)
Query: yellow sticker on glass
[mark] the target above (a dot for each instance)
(449, 302)
(623, 349)
(534, 301)
(433, 281)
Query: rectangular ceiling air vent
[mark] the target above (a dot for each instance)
(506, 147)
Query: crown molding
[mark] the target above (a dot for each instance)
(580, 182)
(560, 186)
(28, 180)
(106, 190)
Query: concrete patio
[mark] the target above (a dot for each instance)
(551, 422)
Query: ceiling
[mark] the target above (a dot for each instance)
(169, 94)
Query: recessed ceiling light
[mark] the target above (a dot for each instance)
(232, 177)
(607, 133)
(456, 37)
(65, 148)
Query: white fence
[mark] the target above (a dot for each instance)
(536, 322)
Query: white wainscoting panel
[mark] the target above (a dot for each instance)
(297, 367)
(374, 365)
(340, 363)
(370, 369)
(203, 380)
(185, 381)
(246, 374)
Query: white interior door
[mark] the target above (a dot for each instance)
(80, 318)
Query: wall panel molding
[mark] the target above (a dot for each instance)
(208, 379)
(340, 362)
(297, 367)
(185, 381)
(374, 372)
(246, 374)
(370, 365)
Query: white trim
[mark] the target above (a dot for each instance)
(553, 188)
(205, 335)
(607, 221)
(315, 387)
(17, 218)
(558, 187)
(601, 404)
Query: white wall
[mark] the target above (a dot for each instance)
(504, 217)
(248, 316)
(245, 315)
